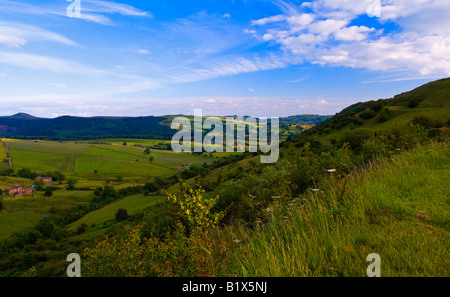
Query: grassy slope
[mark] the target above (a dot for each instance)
(21, 214)
(80, 160)
(133, 204)
(434, 103)
(399, 209)
(20, 221)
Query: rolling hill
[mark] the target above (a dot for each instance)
(431, 101)
(295, 217)
(23, 125)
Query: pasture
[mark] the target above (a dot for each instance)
(98, 162)
(92, 165)
(133, 204)
(22, 213)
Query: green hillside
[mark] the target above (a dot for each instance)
(371, 179)
(431, 101)
(397, 208)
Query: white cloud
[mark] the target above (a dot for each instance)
(327, 27)
(143, 51)
(322, 32)
(249, 31)
(264, 21)
(353, 33)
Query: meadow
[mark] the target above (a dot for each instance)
(89, 162)
(398, 208)
(133, 204)
(22, 213)
(93, 165)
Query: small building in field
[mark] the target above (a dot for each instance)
(15, 190)
(28, 192)
(45, 179)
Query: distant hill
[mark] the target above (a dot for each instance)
(22, 125)
(69, 127)
(22, 116)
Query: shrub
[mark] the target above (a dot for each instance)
(45, 226)
(377, 106)
(423, 121)
(121, 214)
(385, 115)
(81, 228)
(71, 184)
(367, 114)
(413, 103)
(184, 253)
(356, 139)
(48, 192)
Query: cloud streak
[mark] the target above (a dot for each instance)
(91, 11)
(17, 35)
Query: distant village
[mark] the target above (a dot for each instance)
(19, 191)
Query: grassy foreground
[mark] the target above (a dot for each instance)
(398, 208)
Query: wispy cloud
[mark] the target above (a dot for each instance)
(303, 78)
(39, 62)
(92, 11)
(12, 41)
(17, 34)
(228, 67)
(113, 8)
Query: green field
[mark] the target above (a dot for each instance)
(20, 221)
(92, 165)
(21, 214)
(88, 161)
(133, 204)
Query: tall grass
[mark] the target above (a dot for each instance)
(398, 208)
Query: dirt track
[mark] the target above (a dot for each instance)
(8, 155)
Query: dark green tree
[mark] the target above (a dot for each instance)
(121, 214)
(71, 184)
(48, 192)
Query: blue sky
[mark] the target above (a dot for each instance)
(245, 57)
